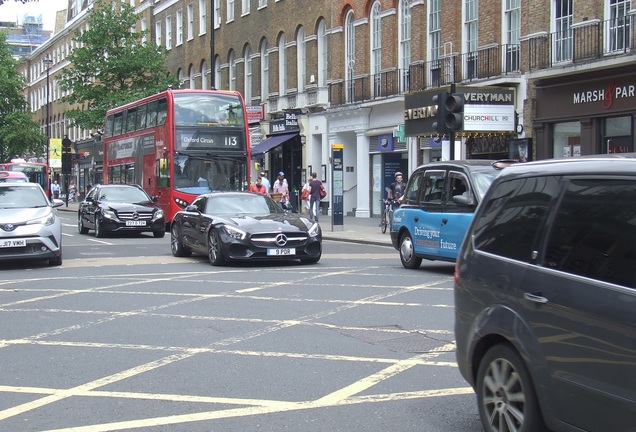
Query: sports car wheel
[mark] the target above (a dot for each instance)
(407, 253)
(178, 249)
(505, 394)
(215, 251)
(80, 225)
(98, 227)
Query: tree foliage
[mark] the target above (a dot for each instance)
(19, 134)
(110, 66)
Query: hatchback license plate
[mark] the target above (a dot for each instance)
(281, 251)
(12, 243)
(135, 223)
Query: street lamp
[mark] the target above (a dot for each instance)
(47, 63)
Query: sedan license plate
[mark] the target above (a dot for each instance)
(281, 251)
(12, 243)
(135, 223)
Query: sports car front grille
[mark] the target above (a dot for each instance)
(134, 215)
(269, 240)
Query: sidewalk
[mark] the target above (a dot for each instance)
(353, 230)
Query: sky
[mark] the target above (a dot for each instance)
(12, 10)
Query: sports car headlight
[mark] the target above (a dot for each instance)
(314, 230)
(234, 232)
(46, 220)
(109, 214)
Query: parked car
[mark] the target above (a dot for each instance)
(545, 288)
(243, 226)
(438, 205)
(13, 177)
(120, 208)
(29, 226)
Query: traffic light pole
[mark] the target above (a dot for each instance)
(451, 133)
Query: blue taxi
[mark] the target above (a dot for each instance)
(437, 207)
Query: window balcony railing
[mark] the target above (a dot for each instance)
(584, 42)
(483, 64)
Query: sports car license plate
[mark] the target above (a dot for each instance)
(281, 251)
(135, 223)
(12, 243)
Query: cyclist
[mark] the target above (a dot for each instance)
(396, 190)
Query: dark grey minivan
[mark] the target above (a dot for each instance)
(545, 298)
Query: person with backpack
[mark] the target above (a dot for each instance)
(314, 194)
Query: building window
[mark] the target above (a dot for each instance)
(232, 61)
(217, 72)
(350, 54)
(247, 62)
(301, 60)
(168, 32)
(435, 42)
(512, 34)
(190, 21)
(563, 30)
(144, 31)
(245, 7)
(230, 10)
(567, 139)
(471, 24)
(323, 58)
(217, 13)
(619, 25)
(204, 77)
(376, 48)
(191, 77)
(262, 3)
(264, 71)
(404, 19)
(158, 33)
(203, 17)
(282, 62)
(179, 18)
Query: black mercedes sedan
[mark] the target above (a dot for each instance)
(243, 226)
(120, 208)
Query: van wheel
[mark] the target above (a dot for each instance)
(407, 253)
(505, 394)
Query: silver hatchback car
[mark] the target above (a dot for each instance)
(29, 225)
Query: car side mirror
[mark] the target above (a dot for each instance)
(154, 199)
(465, 200)
(89, 199)
(192, 208)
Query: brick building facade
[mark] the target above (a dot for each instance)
(343, 69)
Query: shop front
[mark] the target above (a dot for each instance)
(585, 114)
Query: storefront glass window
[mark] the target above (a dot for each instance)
(617, 135)
(567, 139)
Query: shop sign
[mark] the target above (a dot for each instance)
(499, 118)
(254, 113)
(284, 125)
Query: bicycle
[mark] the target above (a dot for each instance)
(387, 215)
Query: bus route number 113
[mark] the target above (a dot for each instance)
(231, 141)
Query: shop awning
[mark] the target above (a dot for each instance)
(266, 145)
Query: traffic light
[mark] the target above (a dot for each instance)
(440, 113)
(454, 107)
(66, 159)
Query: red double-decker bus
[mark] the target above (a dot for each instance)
(35, 171)
(178, 144)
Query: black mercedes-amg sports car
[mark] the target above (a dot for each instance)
(242, 226)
